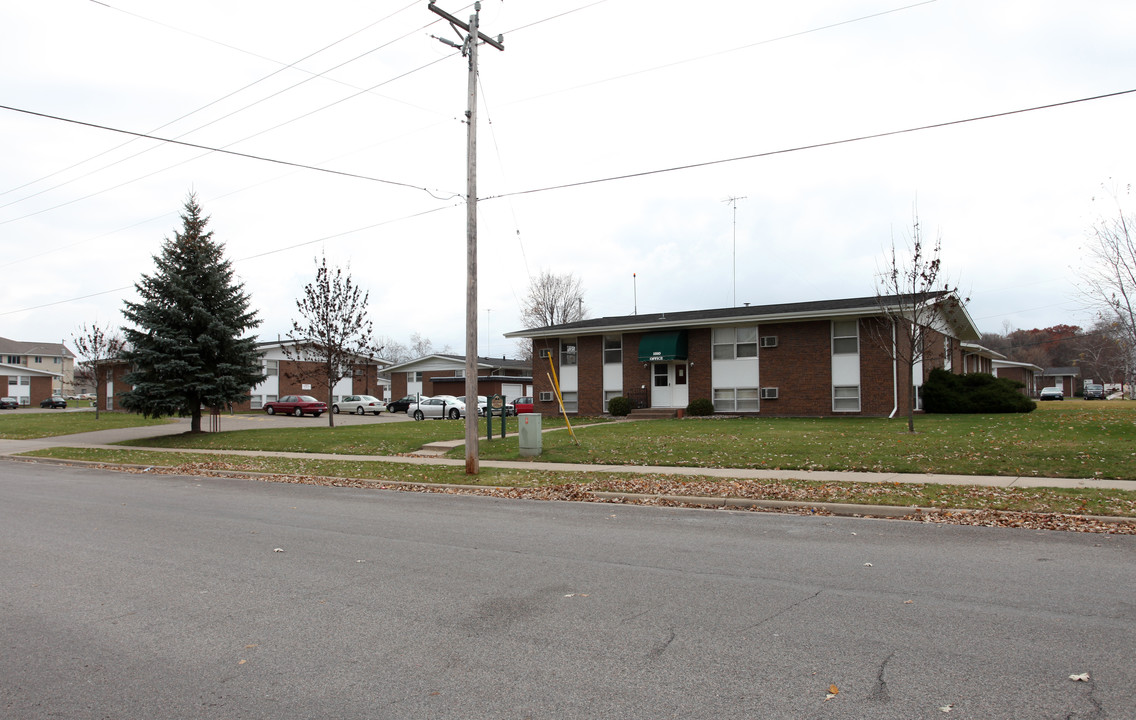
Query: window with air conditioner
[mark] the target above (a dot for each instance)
(546, 396)
(768, 341)
(768, 393)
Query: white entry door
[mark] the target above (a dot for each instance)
(668, 385)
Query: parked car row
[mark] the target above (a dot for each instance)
(418, 407)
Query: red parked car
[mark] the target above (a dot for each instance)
(298, 405)
(523, 405)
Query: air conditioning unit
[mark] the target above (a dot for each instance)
(546, 397)
(768, 393)
(546, 353)
(768, 341)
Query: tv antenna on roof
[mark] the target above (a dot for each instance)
(734, 202)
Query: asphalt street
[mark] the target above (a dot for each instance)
(139, 596)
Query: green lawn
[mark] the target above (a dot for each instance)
(363, 439)
(1079, 439)
(23, 425)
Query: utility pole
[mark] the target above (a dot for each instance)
(469, 49)
(734, 201)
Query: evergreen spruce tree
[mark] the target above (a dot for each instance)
(189, 349)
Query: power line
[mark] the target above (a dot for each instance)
(209, 149)
(243, 259)
(814, 146)
(285, 66)
(716, 53)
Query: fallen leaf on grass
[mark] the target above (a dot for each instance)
(1083, 677)
(277, 549)
(946, 708)
(833, 691)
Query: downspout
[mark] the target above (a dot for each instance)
(894, 373)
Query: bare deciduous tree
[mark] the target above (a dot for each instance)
(333, 333)
(96, 345)
(553, 300)
(1108, 274)
(912, 298)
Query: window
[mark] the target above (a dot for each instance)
(845, 339)
(613, 349)
(459, 373)
(13, 359)
(25, 380)
(568, 351)
(747, 342)
(57, 360)
(730, 343)
(724, 346)
(13, 380)
(846, 398)
(38, 359)
(570, 402)
(736, 399)
(608, 395)
(256, 402)
(413, 376)
(271, 367)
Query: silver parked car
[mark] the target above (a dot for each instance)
(437, 407)
(1051, 393)
(359, 404)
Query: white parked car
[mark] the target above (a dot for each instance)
(359, 404)
(437, 407)
(482, 403)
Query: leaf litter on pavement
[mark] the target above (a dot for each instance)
(666, 491)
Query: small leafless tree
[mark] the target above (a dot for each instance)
(1108, 274)
(333, 335)
(912, 298)
(553, 300)
(96, 345)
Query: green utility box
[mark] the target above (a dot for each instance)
(529, 430)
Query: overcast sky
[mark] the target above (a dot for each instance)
(583, 91)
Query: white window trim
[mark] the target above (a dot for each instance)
(835, 337)
(836, 409)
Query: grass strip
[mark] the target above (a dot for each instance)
(18, 425)
(1086, 501)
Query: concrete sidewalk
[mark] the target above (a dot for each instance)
(104, 438)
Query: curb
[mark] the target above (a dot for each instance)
(690, 501)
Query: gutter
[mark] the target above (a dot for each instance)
(894, 374)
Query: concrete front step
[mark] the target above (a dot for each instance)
(652, 413)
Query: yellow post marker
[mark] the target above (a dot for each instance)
(560, 399)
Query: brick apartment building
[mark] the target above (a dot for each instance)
(281, 378)
(798, 359)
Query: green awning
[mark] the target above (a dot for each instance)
(663, 346)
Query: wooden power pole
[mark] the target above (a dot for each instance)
(469, 49)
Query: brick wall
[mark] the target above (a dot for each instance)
(699, 352)
(541, 382)
(800, 367)
(636, 375)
